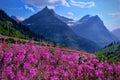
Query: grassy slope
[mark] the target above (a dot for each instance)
(110, 53)
(6, 29)
(8, 26)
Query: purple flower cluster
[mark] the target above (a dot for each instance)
(33, 62)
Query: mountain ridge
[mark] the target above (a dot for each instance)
(46, 23)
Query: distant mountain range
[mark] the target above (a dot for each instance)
(116, 32)
(54, 27)
(16, 19)
(93, 28)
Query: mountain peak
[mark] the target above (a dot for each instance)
(46, 8)
(96, 17)
(86, 17)
(90, 18)
(47, 11)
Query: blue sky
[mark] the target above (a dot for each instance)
(108, 10)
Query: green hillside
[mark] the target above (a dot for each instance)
(110, 53)
(6, 28)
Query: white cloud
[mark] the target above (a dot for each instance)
(20, 18)
(114, 14)
(29, 8)
(70, 14)
(49, 3)
(81, 4)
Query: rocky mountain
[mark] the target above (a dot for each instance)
(47, 23)
(116, 32)
(93, 28)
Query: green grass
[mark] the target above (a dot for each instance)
(6, 28)
(110, 53)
